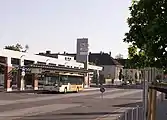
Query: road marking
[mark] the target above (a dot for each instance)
(56, 97)
(91, 89)
(19, 113)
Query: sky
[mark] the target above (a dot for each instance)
(55, 25)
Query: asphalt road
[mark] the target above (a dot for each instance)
(88, 105)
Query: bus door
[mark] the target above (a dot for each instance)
(72, 83)
(64, 81)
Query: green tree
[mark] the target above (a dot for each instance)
(148, 25)
(136, 59)
(16, 47)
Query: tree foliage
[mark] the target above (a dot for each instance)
(148, 25)
(17, 47)
(136, 59)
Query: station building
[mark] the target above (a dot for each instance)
(21, 71)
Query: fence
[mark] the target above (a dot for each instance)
(135, 113)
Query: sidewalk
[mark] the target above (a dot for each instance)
(161, 111)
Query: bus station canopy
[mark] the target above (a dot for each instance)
(54, 68)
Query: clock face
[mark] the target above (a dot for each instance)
(83, 45)
(83, 48)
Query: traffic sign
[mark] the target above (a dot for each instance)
(102, 89)
(23, 69)
(23, 73)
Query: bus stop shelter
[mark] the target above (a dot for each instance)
(38, 70)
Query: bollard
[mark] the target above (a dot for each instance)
(132, 113)
(137, 112)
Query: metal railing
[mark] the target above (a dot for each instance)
(135, 113)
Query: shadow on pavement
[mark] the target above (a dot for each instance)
(90, 113)
(53, 92)
(48, 92)
(129, 98)
(70, 116)
(35, 92)
(129, 104)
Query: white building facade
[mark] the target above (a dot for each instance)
(21, 57)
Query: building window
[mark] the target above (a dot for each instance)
(67, 58)
(61, 65)
(15, 61)
(41, 63)
(52, 64)
(28, 62)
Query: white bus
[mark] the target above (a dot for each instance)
(64, 83)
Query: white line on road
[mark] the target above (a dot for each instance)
(91, 89)
(15, 114)
(55, 97)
